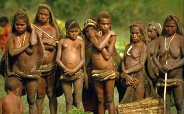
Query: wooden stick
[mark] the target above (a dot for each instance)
(43, 32)
(165, 88)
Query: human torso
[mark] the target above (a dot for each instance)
(50, 50)
(26, 60)
(11, 105)
(151, 48)
(71, 52)
(98, 61)
(133, 57)
(170, 53)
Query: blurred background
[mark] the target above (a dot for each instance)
(123, 12)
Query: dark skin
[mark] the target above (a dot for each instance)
(71, 58)
(49, 58)
(103, 46)
(21, 48)
(133, 62)
(11, 104)
(153, 35)
(171, 51)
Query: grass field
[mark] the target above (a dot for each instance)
(61, 102)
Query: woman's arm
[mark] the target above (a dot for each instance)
(58, 56)
(107, 52)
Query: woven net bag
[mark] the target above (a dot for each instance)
(144, 106)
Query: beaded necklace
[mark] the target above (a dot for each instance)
(167, 47)
(169, 44)
(23, 42)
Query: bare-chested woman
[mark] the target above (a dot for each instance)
(133, 63)
(103, 69)
(169, 57)
(71, 58)
(154, 31)
(47, 29)
(23, 57)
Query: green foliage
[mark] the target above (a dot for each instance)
(2, 4)
(76, 111)
(123, 12)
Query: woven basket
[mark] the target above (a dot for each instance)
(144, 106)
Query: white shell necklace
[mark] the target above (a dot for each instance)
(169, 44)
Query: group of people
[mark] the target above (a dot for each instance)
(38, 58)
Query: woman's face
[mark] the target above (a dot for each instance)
(152, 33)
(135, 34)
(170, 27)
(104, 24)
(73, 33)
(20, 25)
(43, 15)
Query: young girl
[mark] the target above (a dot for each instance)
(103, 69)
(23, 57)
(71, 58)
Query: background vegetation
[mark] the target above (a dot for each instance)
(123, 12)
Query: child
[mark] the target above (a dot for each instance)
(11, 104)
(4, 23)
(103, 69)
(71, 58)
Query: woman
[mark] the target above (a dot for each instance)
(133, 63)
(154, 31)
(169, 58)
(46, 27)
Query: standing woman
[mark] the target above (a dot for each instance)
(169, 58)
(133, 63)
(154, 31)
(103, 69)
(48, 31)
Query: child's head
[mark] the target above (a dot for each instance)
(3, 21)
(154, 29)
(104, 21)
(20, 22)
(11, 84)
(138, 31)
(72, 28)
(89, 24)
